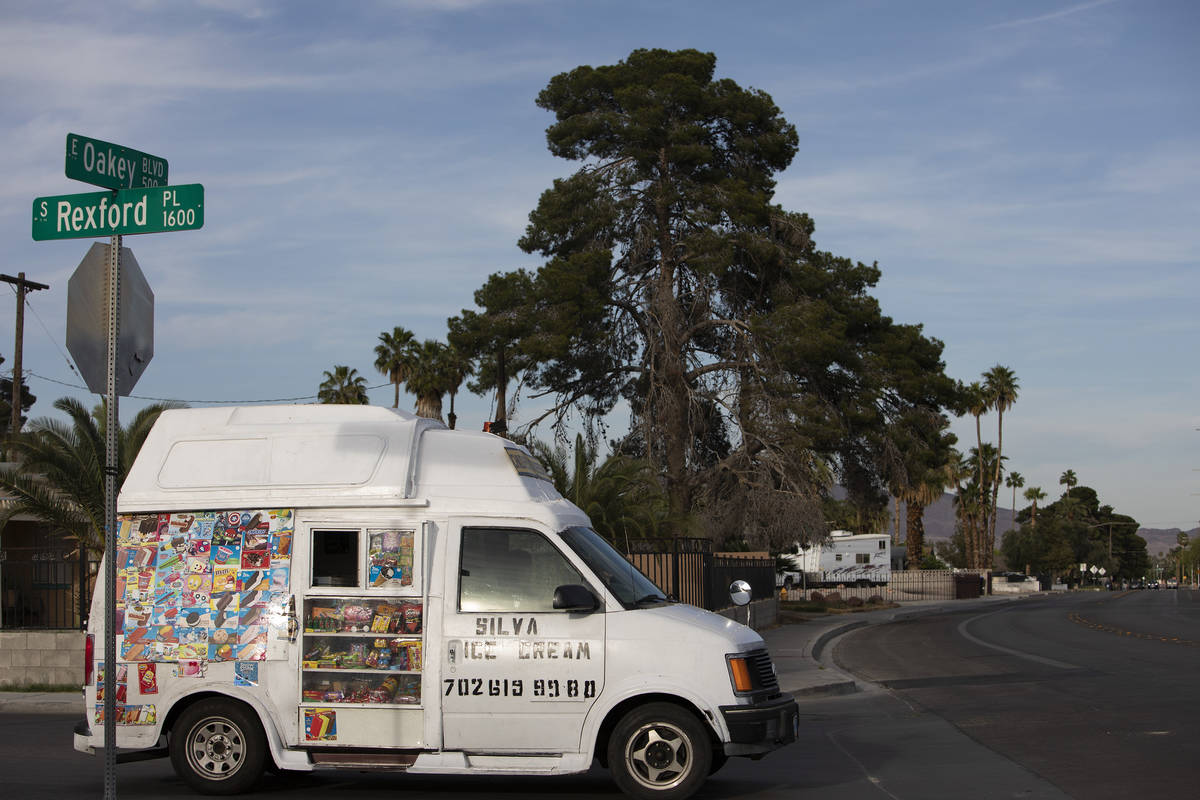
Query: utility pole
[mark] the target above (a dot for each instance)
(22, 287)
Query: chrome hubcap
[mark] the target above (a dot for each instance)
(658, 755)
(216, 748)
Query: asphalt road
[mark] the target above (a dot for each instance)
(1085, 696)
(1097, 694)
(852, 747)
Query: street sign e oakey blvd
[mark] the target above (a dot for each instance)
(119, 213)
(111, 165)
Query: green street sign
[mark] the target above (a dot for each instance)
(130, 211)
(111, 165)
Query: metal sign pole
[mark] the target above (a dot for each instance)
(110, 527)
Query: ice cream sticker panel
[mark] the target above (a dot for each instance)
(210, 586)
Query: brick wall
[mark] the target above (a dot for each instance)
(47, 657)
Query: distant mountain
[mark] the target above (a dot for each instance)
(1159, 541)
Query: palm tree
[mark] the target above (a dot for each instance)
(916, 499)
(390, 357)
(428, 377)
(1069, 480)
(966, 503)
(1033, 494)
(458, 369)
(1014, 480)
(59, 477)
(621, 496)
(1000, 386)
(343, 385)
(977, 406)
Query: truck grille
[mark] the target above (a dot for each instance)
(762, 671)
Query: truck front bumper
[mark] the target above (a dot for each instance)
(760, 728)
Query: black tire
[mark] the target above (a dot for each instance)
(218, 747)
(718, 760)
(659, 752)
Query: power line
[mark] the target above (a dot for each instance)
(197, 402)
(57, 346)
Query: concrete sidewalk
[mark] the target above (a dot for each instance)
(42, 703)
(796, 650)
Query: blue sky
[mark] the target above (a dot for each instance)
(1025, 174)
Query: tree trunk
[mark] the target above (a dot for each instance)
(430, 407)
(915, 532)
(996, 486)
(977, 535)
(666, 365)
(500, 424)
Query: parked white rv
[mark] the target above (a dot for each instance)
(335, 586)
(847, 559)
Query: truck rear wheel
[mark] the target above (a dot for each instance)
(659, 752)
(218, 747)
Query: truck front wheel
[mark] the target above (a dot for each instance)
(218, 747)
(659, 752)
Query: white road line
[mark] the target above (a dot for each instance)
(1050, 662)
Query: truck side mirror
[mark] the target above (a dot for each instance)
(576, 598)
(739, 593)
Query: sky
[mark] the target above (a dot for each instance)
(1024, 173)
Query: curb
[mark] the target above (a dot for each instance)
(42, 703)
(830, 689)
(818, 644)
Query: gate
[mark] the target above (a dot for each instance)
(694, 574)
(45, 580)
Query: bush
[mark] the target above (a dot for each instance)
(854, 602)
(874, 600)
(817, 597)
(833, 599)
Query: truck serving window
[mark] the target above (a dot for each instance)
(334, 558)
(620, 577)
(510, 570)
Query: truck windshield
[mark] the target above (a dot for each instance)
(620, 577)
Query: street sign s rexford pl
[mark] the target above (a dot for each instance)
(124, 212)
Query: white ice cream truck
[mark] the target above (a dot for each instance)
(329, 586)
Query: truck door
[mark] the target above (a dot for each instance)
(517, 675)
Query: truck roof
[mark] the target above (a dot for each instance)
(295, 456)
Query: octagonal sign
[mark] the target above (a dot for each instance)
(87, 320)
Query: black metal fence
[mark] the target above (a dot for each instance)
(44, 585)
(724, 569)
(689, 570)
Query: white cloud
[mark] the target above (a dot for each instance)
(1053, 15)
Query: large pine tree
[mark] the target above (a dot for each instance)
(757, 368)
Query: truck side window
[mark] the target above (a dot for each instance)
(335, 558)
(510, 570)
